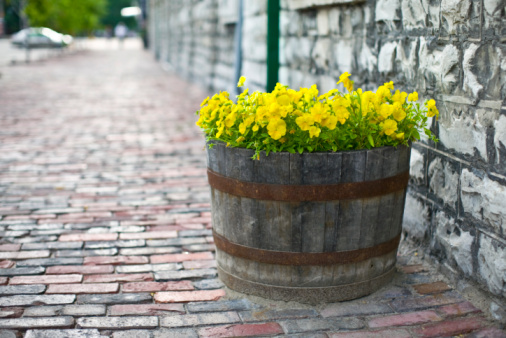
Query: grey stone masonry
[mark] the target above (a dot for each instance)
(449, 50)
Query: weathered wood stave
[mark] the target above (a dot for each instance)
(308, 226)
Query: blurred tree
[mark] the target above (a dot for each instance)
(66, 16)
(113, 15)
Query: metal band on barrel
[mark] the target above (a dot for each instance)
(304, 258)
(309, 192)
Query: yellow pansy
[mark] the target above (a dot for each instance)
(305, 121)
(389, 85)
(242, 79)
(276, 128)
(344, 78)
(314, 131)
(389, 127)
(413, 97)
(318, 111)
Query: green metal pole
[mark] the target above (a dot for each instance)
(272, 43)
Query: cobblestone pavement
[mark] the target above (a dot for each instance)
(106, 229)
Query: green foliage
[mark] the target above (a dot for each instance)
(113, 14)
(66, 16)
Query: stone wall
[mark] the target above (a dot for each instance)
(450, 50)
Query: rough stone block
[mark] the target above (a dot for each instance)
(91, 333)
(200, 319)
(454, 13)
(492, 264)
(29, 323)
(484, 199)
(144, 322)
(454, 241)
(27, 300)
(414, 15)
(444, 181)
(416, 217)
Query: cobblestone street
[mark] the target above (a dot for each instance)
(106, 228)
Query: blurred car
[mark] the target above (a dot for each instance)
(40, 37)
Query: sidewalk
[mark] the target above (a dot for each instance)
(105, 220)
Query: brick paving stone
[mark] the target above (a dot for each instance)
(199, 247)
(116, 260)
(176, 241)
(127, 322)
(4, 280)
(316, 324)
(88, 237)
(157, 286)
(7, 264)
(200, 319)
(140, 277)
(30, 323)
(46, 279)
(241, 330)
(21, 289)
(8, 334)
(132, 243)
(86, 253)
(42, 311)
(25, 254)
(458, 309)
(195, 233)
(10, 247)
(148, 267)
(199, 264)
(218, 306)
(133, 334)
(50, 262)
(11, 312)
(83, 288)
(84, 310)
(354, 309)
(265, 315)
(27, 300)
(129, 298)
(146, 309)
(52, 245)
(181, 257)
(80, 269)
(405, 319)
(208, 284)
(450, 327)
(149, 235)
(185, 274)
(22, 271)
(430, 288)
(491, 332)
(411, 304)
(175, 333)
(399, 333)
(188, 296)
(148, 251)
(86, 333)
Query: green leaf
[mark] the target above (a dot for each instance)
(371, 141)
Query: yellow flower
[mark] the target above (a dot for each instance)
(386, 110)
(389, 85)
(205, 101)
(283, 100)
(389, 127)
(399, 97)
(255, 127)
(242, 128)
(305, 121)
(342, 114)
(344, 78)
(318, 111)
(400, 136)
(413, 97)
(241, 81)
(314, 131)
(431, 108)
(329, 122)
(399, 113)
(276, 128)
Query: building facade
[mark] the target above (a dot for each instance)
(450, 50)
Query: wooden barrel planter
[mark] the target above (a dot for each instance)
(315, 227)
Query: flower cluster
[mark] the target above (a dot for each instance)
(307, 121)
